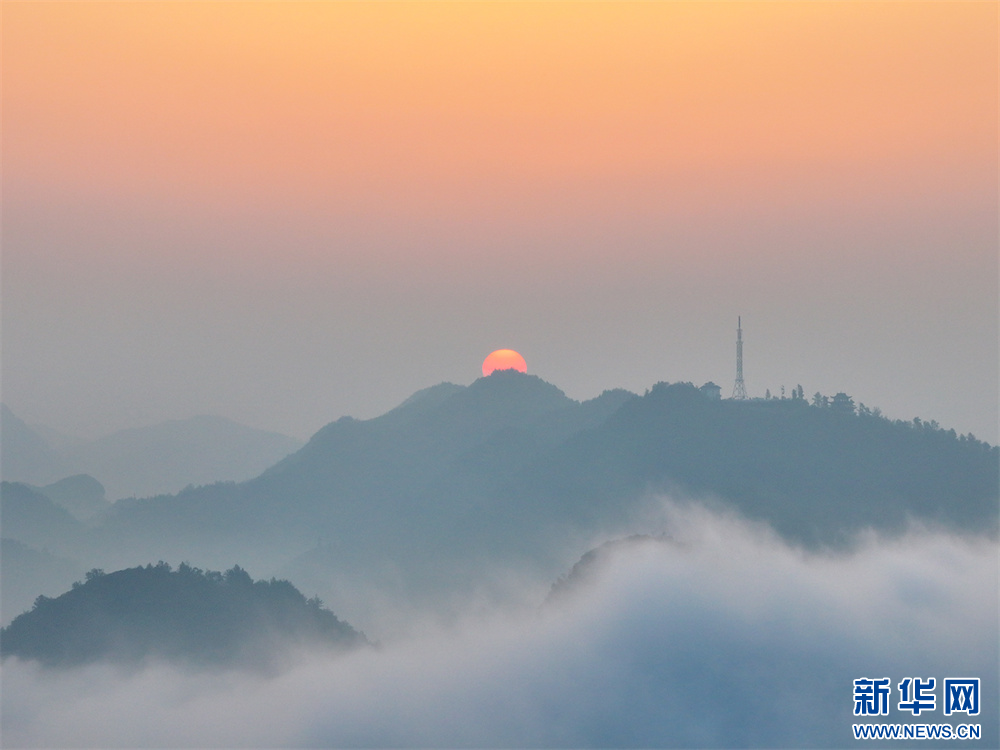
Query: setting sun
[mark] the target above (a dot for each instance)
(504, 359)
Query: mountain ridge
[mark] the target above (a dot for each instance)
(459, 481)
(161, 458)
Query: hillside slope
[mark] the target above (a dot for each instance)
(188, 615)
(460, 482)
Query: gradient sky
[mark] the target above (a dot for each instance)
(283, 213)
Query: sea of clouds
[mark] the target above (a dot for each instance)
(717, 635)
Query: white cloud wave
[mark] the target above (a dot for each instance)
(721, 636)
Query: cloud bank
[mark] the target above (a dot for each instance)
(718, 636)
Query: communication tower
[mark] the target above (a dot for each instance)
(739, 389)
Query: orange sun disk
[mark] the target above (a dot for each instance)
(504, 359)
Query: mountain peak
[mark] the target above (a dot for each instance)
(514, 384)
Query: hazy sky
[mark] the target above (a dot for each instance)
(282, 213)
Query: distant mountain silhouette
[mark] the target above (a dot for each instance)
(81, 494)
(26, 572)
(41, 542)
(403, 479)
(166, 457)
(189, 615)
(25, 456)
(32, 518)
(460, 480)
(144, 461)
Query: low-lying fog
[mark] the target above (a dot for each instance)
(720, 635)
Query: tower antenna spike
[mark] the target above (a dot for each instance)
(739, 389)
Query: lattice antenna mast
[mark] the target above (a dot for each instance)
(739, 389)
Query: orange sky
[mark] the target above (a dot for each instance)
(370, 183)
(438, 107)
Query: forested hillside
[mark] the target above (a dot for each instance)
(202, 617)
(814, 472)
